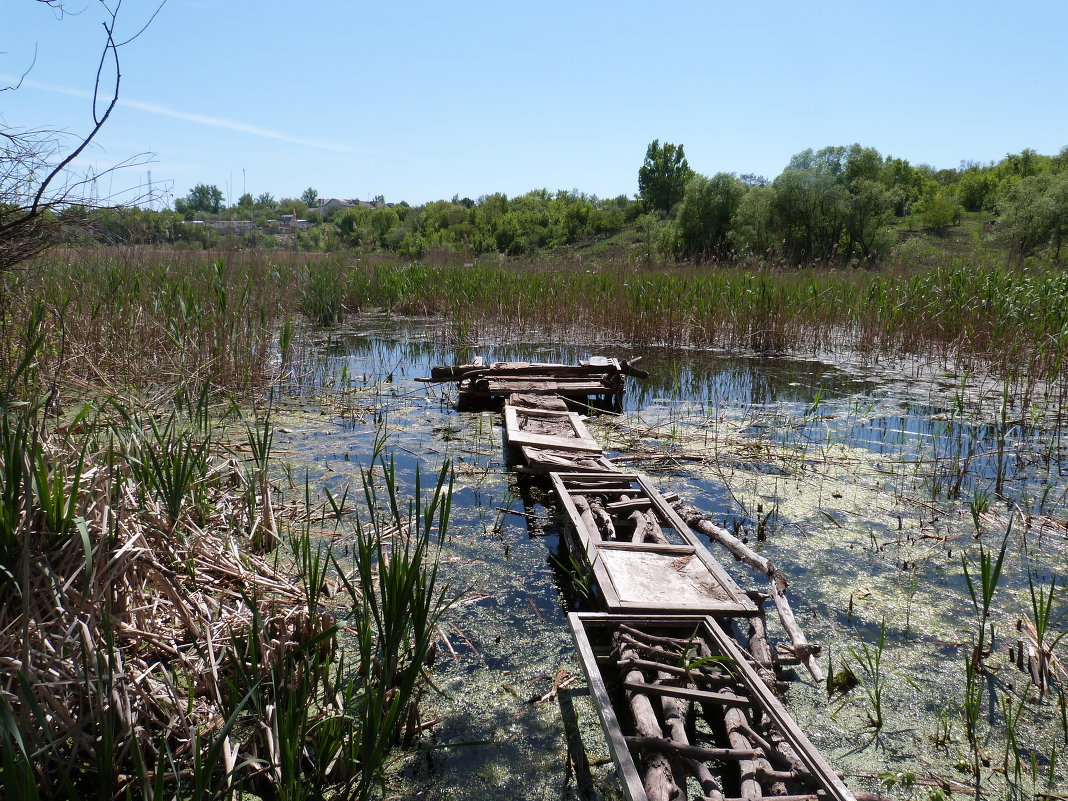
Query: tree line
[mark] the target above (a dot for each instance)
(837, 205)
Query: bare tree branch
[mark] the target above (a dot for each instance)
(36, 178)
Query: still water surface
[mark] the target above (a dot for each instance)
(864, 483)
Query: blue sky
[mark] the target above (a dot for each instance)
(418, 101)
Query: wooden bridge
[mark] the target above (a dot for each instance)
(680, 666)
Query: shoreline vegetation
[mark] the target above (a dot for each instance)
(171, 630)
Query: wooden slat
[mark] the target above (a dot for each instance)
(701, 696)
(617, 745)
(693, 751)
(755, 691)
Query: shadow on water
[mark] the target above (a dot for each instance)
(866, 490)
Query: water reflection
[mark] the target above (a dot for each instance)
(863, 488)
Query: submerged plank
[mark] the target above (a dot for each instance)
(649, 576)
(751, 703)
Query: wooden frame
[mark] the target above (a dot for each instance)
(757, 694)
(517, 437)
(650, 577)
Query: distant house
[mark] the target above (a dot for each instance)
(288, 224)
(229, 226)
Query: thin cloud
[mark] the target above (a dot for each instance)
(198, 119)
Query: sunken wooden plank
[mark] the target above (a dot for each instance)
(652, 577)
(634, 576)
(521, 401)
(576, 437)
(543, 461)
(814, 778)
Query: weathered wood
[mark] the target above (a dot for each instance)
(546, 402)
(617, 744)
(630, 505)
(726, 699)
(805, 651)
(543, 461)
(659, 780)
(792, 752)
(577, 438)
(676, 719)
(608, 529)
(509, 369)
(586, 515)
(694, 751)
(694, 674)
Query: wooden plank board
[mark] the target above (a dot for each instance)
(580, 439)
(521, 401)
(544, 461)
(650, 576)
(587, 627)
(541, 386)
(617, 745)
(649, 580)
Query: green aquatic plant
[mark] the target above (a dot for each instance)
(870, 660)
(981, 588)
(1043, 622)
(169, 461)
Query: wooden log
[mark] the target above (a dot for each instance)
(734, 719)
(760, 648)
(675, 670)
(654, 639)
(586, 514)
(805, 651)
(658, 781)
(608, 530)
(676, 717)
(693, 751)
(646, 526)
(686, 693)
(742, 552)
(628, 367)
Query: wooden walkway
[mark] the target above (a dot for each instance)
(598, 380)
(680, 699)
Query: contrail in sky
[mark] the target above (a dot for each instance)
(199, 119)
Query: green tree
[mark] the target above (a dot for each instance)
(202, 197)
(663, 176)
(382, 221)
(310, 196)
(706, 214)
(1033, 214)
(245, 201)
(939, 212)
(753, 230)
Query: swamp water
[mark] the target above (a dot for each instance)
(863, 484)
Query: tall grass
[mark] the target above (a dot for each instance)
(146, 650)
(1012, 319)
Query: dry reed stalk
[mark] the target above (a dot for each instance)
(141, 629)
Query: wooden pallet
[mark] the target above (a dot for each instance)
(642, 555)
(659, 681)
(547, 428)
(481, 384)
